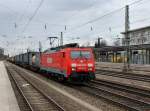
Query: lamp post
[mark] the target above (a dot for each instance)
(99, 41)
(142, 41)
(126, 66)
(99, 45)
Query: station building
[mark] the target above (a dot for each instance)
(139, 48)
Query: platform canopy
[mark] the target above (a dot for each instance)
(122, 48)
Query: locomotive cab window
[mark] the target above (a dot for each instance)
(80, 54)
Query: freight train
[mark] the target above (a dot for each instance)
(66, 63)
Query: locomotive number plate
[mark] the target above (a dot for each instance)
(81, 64)
(81, 68)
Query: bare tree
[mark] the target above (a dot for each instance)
(103, 43)
(116, 43)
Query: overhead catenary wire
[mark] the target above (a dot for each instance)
(23, 14)
(115, 11)
(112, 12)
(61, 25)
(135, 2)
(91, 21)
(108, 13)
(10, 9)
(134, 22)
(31, 18)
(118, 26)
(12, 12)
(88, 22)
(105, 15)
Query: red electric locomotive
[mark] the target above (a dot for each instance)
(69, 63)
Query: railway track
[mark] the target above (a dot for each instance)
(36, 99)
(129, 97)
(139, 77)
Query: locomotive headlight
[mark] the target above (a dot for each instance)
(73, 68)
(73, 65)
(90, 65)
(90, 69)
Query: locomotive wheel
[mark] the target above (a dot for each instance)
(61, 78)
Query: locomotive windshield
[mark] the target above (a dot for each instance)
(80, 54)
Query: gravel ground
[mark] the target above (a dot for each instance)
(134, 83)
(142, 69)
(98, 103)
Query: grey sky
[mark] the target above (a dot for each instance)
(58, 13)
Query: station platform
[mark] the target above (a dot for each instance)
(8, 100)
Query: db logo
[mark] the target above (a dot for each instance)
(49, 60)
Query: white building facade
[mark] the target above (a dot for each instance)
(139, 37)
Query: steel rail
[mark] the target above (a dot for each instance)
(19, 89)
(119, 96)
(40, 91)
(124, 87)
(139, 77)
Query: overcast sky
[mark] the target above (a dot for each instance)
(16, 35)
